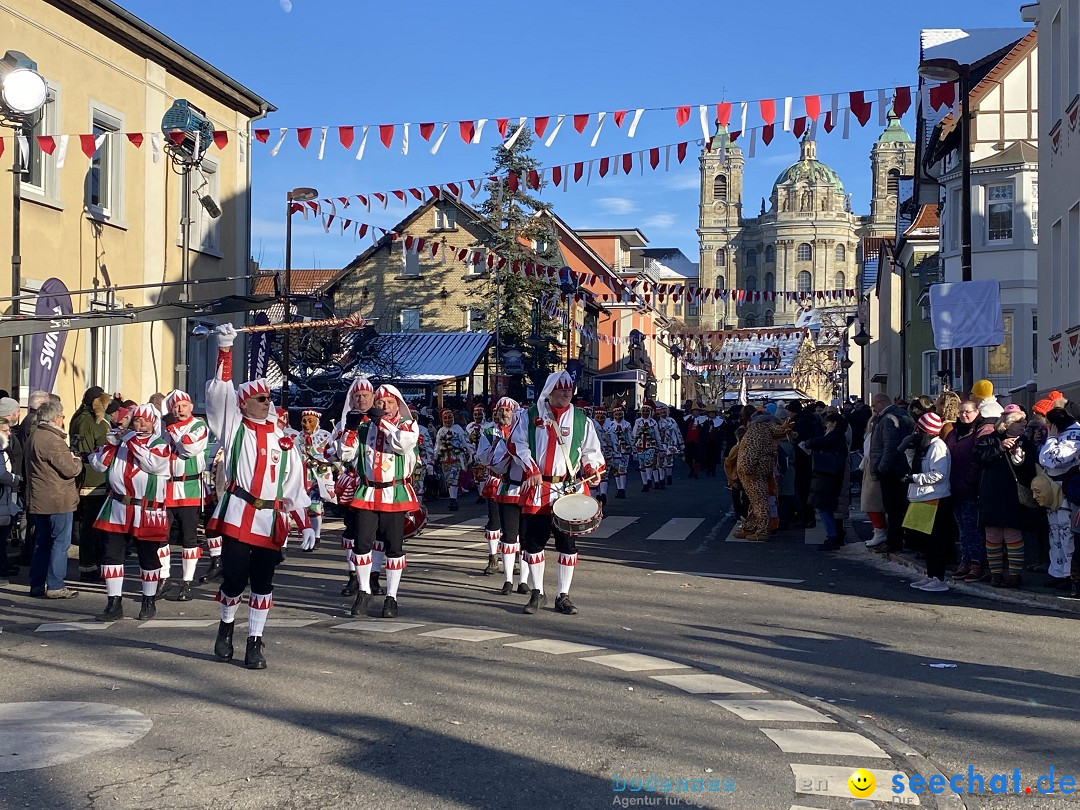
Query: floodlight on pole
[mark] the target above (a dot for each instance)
(297, 195)
(23, 91)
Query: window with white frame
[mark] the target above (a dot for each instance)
(692, 309)
(104, 346)
(410, 261)
(931, 382)
(999, 212)
(445, 219)
(39, 168)
(1035, 210)
(721, 258)
(804, 252)
(841, 253)
(1000, 358)
(954, 220)
(476, 262)
(804, 282)
(205, 229)
(474, 319)
(410, 320)
(104, 181)
(839, 281)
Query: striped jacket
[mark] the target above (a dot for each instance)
(137, 472)
(264, 479)
(544, 445)
(384, 455)
(187, 442)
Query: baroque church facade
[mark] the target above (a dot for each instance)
(804, 240)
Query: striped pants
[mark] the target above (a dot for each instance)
(1003, 542)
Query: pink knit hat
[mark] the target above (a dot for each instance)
(930, 423)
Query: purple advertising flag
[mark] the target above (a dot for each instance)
(46, 348)
(259, 349)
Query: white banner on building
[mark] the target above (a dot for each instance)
(965, 314)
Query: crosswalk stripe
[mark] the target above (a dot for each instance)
(676, 529)
(745, 577)
(552, 646)
(376, 626)
(466, 634)
(175, 624)
(55, 627)
(612, 524)
(812, 741)
(705, 683)
(830, 780)
(633, 662)
(772, 710)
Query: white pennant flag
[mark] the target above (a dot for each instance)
(438, 142)
(704, 121)
(565, 177)
(281, 140)
(742, 115)
(155, 146)
(667, 157)
(641, 161)
(509, 142)
(363, 144)
(835, 107)
(558, 125)
(479, 130)
(405, 139)
(22, 148)
(476, 190)
(61, 152)
(615, 161)
(753, 143)
(787, 113)
(241, 142)
(847, 123)
(599, 126)
(882, 108)
(633, 124)
(322, 143)
(588, 176)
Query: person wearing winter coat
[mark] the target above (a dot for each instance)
(929, 482)
(888, 464)
(755, 464)
(828, 457)
(1006, 457)
(1060, 457)
(870, 498)
(88, 428)
(969, 427)
(10, 481)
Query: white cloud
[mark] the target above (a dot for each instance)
(617, 205)
(660, 221)
(683, 181)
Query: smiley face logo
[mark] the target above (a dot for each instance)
(862, 783)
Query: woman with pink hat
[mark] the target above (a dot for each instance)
(929, 484)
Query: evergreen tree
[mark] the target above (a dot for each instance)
(510, 303)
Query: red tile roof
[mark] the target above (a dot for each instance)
(304, 282)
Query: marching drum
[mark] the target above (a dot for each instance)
(414, 522)
(577, 514)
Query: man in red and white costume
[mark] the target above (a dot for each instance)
(313, 444)
(384, 451)
(136, 466)
(363, 571)
(188, 437)
(501, 539)
(550, 442)
(265, 488)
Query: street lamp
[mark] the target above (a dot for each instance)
(676, 353)
(949, 70)
(23, 94)
(297, 195)
(862, 340)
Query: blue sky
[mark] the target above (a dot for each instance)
(353, 62)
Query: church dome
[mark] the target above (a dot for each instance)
(809, 170)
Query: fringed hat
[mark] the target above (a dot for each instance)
(251, 388)
(508, 402)
(311, 412)
(387, 390)
(150, 413)
(174, 396)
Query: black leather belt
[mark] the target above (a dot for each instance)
(131, 500)
(555, 479)
(194, 477)
(247, 497)
(376, 484)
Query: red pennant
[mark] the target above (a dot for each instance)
(627, 162)
(1, 147)
(361, 230)
(386, 134)
(830, 125)
(176, 136)
(579, 169)
(381, 198)
(619, 115)
(409, 240)
(735, 135)
(540, 125)
(136, 138)
(556, 175)
(455, 189)
(512, 182)
(436, 192)
(580, 122)
(859, 106)
(420, 244)
(723, 113)
(399, 194)
(901, 101)
(344, 201)
(417, 193)
(503, 124)
(534, 179)
(345, 135)
(426, 130)
(813, 106)
(682, 115)
(767, 133)
(47, 143)
(467, 129)
(461, 254)
(798, 127)
(680, 151)
(362, 199)
(262, 135)
(768, 110)
(654, 157)
(89, 146)
(942, 94)
(303, 136)
(604, 166)
(434, 249)
(221, 138)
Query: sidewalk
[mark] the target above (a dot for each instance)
(1031, 593)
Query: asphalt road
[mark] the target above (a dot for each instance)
(346, 716)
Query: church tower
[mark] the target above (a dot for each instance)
(719, 222)
(892, 157)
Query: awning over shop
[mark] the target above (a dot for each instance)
(425, 357)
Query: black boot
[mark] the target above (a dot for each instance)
(621, 494)
(453, 505)
(507, 588)
(114, 610)
(389, 608)
(659, 485)
(373, 583)
(352, 587)
(493, 564)
(536, 601)
(645, 487)
(602, 498)
(223, 647)
(523, 587)
(184, 594)
(360, 606)
(149, 609)
(564, 605)
(254, 658)
(213, 572)
(164, 586)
